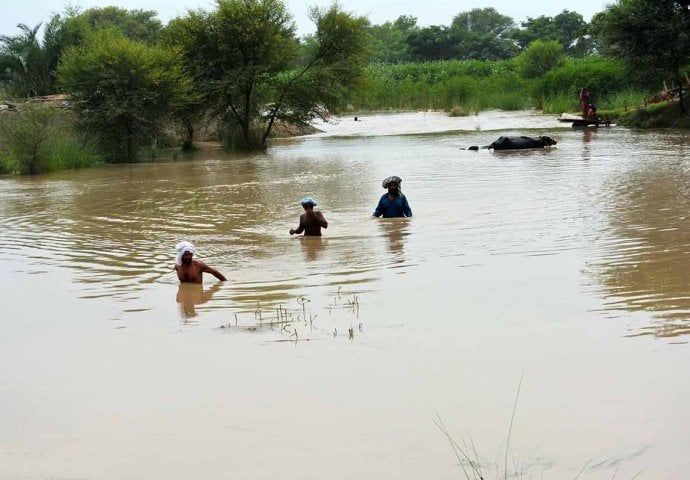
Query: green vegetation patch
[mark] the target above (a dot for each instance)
(39, 139)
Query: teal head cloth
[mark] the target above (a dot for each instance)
(307, 201)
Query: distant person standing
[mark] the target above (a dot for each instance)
(310, 222)
(394, 202)
(585, 100)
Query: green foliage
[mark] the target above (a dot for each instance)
(567, 28)
(601, 76)
(623, 100)
(24, 63)
(648, 35)
(247, 63)
(122, 90)
(42, 139)
(539, 58)
(432, 43)
(659, 115)
(388, 40)
(559, 103)
(467, 86)
(480, 34)
(139, 25)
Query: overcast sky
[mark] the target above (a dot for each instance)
(432, 12)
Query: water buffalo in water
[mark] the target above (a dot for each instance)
(519, 143)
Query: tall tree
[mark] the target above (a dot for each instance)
(388, 42)
(432, 43)
(23, 63)
(649, 35)
(244, 57)
(123, 90)
(140, 25)
(480, 34)
(567, 28)
(539, 58)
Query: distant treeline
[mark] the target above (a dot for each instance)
(131, 81)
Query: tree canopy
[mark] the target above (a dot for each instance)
(245, 60)
(122, 89)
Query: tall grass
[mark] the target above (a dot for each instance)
(467, 85)
(470, 86)
(41, 139)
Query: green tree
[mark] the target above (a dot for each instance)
(23, 63)
(480, 34)
(651, 36)
(135, 24)
(123, 90)
(28, 66)
(539, 58)
(388, 43)
(432, 43)
(246, 61)
(567, 28)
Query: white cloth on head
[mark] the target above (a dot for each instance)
(181, 248)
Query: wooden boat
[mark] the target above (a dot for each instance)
(578, 121)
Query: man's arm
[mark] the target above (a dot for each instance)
(406, 208)
(379, 209)
(205, 268)
(299, 229)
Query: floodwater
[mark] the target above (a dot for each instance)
(551, 287)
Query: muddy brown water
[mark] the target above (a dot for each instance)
(331, 358)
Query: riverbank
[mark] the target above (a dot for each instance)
(658, 115)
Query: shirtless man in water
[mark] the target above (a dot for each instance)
(189, 270)
(311, 221)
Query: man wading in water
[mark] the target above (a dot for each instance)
(394, 203)
(189, 270)
(310, 222)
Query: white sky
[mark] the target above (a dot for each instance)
(430, 12)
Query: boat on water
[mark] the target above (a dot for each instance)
(579, 121)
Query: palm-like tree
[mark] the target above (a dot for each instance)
(27, 68)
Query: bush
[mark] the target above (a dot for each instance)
(467, 85)
(122, 90)
(599, 75)
(40, 139)
(539, 58)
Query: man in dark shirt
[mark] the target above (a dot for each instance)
(310, 222)
(189, 270)
(394, 203)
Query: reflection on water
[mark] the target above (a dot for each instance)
(395, 230)
(513, 262)
(189, 295)
(114, 228)
(312, 247)
(645, 259)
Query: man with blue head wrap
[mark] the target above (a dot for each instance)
(310, 222)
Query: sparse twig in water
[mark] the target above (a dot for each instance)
(637, 474)
(460, 453)
(583, 469)
(510, 428)
(303, 301)
(257, 313)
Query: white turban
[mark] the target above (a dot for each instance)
(181, 248)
